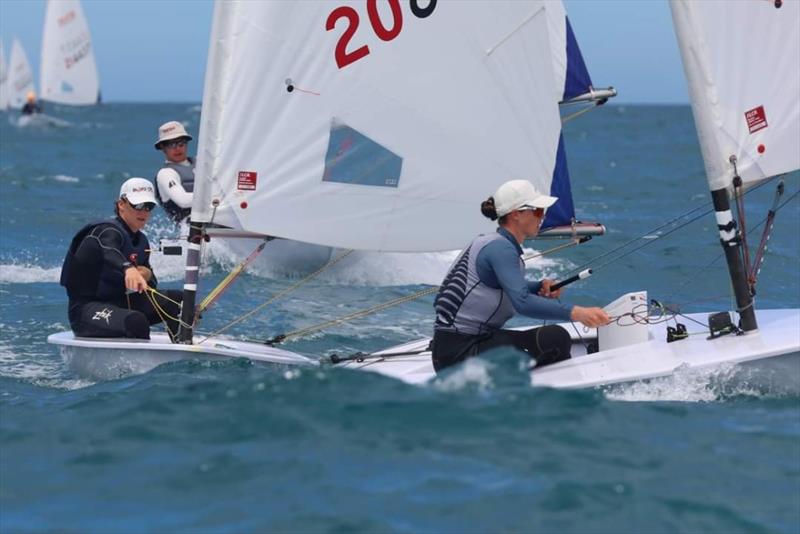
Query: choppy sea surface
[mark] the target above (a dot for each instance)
(231, 447)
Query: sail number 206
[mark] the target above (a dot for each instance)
(384, 31)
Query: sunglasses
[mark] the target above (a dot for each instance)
(539, 212)
(176, 143)
(144, 206)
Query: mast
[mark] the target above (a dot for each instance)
(190, 279)
(732, 245)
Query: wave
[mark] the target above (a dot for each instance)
(66, 179)
(28, 274)
(721, 383)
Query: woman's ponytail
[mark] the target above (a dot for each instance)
(487, 208)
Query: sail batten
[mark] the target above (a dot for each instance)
(378, 142)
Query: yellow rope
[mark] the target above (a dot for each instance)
(223, 285)
(279, 295)
(162, 313)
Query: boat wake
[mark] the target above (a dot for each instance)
(764, 379)
(506, 369)
(13, 273)
(38, 120)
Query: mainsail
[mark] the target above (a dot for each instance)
(571, 75)
(571, 79)
(68, 74)
(20, 77)
(742, 64)
(377, 126)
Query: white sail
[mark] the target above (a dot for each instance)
(68, 74)
(557, 26)
(20, 76)
(3, 78)
(742, 64)
(326, 123)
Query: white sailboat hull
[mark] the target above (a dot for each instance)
(774, 350)
(107, 358)
(40, 120)
(778, 338)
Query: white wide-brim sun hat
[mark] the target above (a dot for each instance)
(169, 131)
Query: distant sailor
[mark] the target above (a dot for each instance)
(486, 287)
(31, 105)
(175, 180)
(107, 273)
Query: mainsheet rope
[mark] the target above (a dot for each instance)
(401, 300)
(278, 295)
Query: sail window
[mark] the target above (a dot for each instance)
(354, 158)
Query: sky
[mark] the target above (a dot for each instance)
(155, 50)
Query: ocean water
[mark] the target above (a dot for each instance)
(231, 447)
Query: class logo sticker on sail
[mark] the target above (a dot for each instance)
(246, 181)
(756, 119)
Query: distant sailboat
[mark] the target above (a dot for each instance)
(3, 78)
(20, 76)
(68, 73)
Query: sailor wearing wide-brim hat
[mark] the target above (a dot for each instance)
(175, 179)
(170, 131)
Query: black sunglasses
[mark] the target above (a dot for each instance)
(175, 143)
(144, 206)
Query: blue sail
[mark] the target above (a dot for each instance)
(577, 82)
(563, 211)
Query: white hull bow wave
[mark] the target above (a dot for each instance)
(350, 151)
(38, 120)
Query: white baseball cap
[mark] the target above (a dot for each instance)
(138, 191)
(169, 131)
(515, 194)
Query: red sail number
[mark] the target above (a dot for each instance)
(342, 56)
(377, 25)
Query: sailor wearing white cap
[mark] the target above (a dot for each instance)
(107, 273)
(175, 179)
(486, 287)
